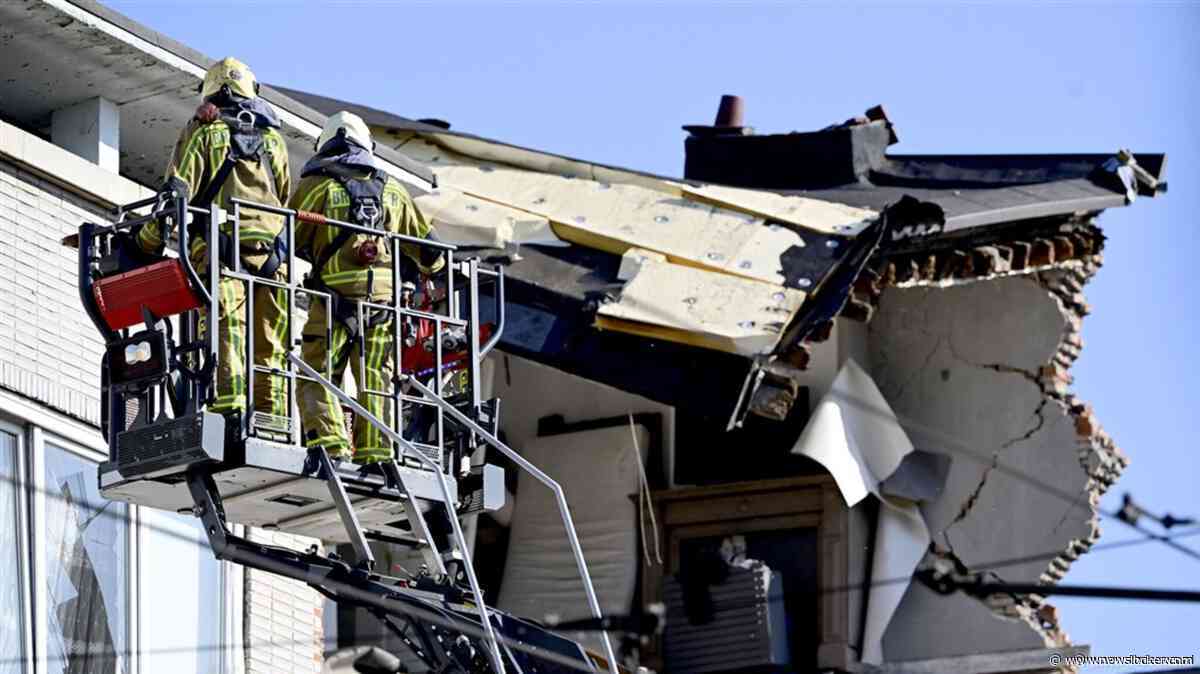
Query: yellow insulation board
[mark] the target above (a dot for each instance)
(823, 216)
(692, 306)
(615, 217)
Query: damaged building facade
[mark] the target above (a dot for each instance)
(772, 389)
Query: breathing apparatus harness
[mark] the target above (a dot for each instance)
(247, 119)
(345, 162)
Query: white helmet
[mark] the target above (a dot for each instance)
(352, 125)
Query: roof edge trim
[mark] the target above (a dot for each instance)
(291, 112)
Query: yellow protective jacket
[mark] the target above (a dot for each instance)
(343, 273)
(199, 153)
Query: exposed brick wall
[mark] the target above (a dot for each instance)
(49, 350)
(284, 629)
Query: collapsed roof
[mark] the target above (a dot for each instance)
(721, 279)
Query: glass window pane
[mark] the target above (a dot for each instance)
(12, 641)
(87, 570)
(180, 591)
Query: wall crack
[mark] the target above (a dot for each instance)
(1054, 407)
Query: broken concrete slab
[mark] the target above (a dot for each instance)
(963, 626)
(977, 371)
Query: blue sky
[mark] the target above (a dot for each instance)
(614, 82)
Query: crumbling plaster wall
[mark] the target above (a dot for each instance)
(977, 370)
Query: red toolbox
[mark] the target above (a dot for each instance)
(161, 287)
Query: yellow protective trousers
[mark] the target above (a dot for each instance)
(369, 357)
(269, 322)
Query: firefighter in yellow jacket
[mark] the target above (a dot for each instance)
(343, 182)
(232, 148)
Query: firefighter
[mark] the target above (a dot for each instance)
(232, 148)
(342, 181)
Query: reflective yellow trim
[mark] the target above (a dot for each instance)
(310, 200)
(331, 443)
(256, 236)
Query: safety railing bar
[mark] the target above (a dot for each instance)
(248, 416)
(289, 225)
(451, 304)
(448, 320)
(474, 356)
(363, 332)
(346, 225)
(416, 313)
(141, 203)
(397, 344)
(496, 655)
(134, 222)
(375, 392)
(246, 277)
(274, 371)
(501, 313)
(417, 401)
(564, 509)
(266, 208)
(214, 280)
(181, 225)
(236, 218)
(280, 285)
(437, 363)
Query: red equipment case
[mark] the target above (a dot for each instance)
(161, 287)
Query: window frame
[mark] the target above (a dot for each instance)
(35, 426)
(23, 551)
(39, 439)
(764, 505)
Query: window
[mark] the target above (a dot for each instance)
(12, 629)
(84, 541)
(180, 618)
(800, 528)
(91, 586)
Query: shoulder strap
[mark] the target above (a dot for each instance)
(264, 159)
(206, 196)
(334, 246)
(329, 251)
(238, 148)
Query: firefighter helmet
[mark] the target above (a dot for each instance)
(232, 73)
(352, 125)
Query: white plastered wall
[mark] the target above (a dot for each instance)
(49, 350)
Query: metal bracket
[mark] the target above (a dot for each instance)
(416, 518)
(337, 491)
(208, 508)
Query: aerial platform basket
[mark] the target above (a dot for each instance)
(168, 451)
(157, 381)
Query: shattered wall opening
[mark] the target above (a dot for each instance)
(977, 370)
